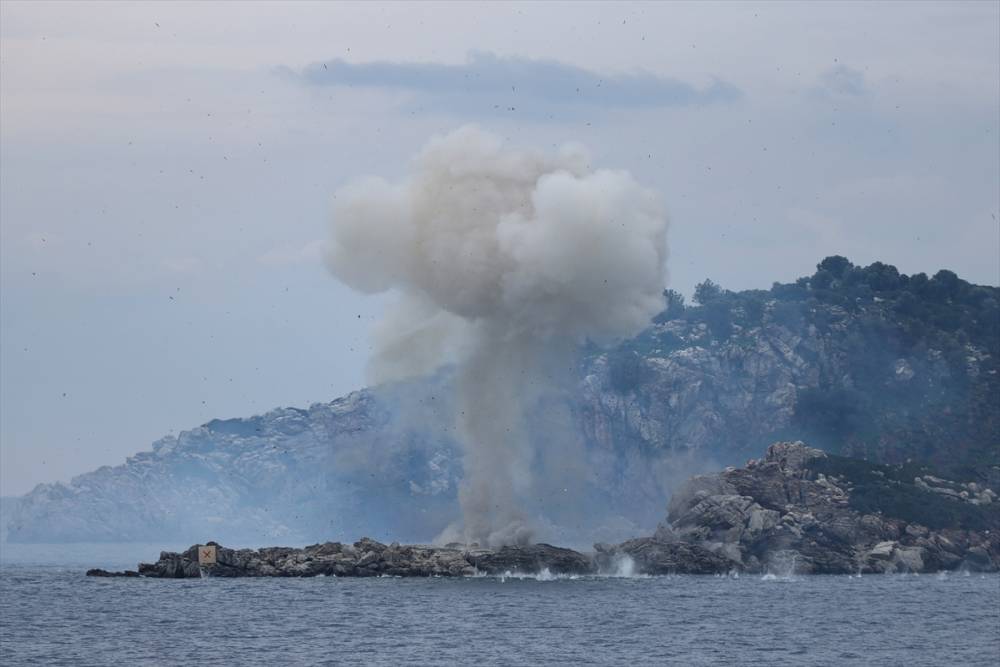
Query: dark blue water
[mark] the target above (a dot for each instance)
(51, 614)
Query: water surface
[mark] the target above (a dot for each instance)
(51, 614)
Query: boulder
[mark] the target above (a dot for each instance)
(98, 572)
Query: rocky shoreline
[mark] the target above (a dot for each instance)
(368, 558)
(797, 510)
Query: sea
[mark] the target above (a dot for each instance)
(51, 614)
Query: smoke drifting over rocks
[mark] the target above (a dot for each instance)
(504, 260)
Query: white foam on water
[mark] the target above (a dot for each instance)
(624, 568)
(788, 560)
(544, 575)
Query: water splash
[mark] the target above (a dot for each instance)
(785, 562)
(624, 566)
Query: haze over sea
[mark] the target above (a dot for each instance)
(51, 614)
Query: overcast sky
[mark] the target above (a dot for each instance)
(166, 173)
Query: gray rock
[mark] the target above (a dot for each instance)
(366, 558)
(882, 550)
(533, 558)
(909, 559)
(779, 512)
(652, 556)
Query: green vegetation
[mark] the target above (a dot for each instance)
(943, 312)
(626, 369)
(909, 366)
(890, 490)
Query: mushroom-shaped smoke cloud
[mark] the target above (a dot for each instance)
(505, 260)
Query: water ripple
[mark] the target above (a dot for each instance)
(54, 615)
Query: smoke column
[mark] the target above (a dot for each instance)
(505, 260)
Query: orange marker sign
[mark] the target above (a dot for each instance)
(206, 555)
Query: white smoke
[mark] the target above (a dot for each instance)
(505, 261)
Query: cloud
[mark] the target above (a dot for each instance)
(844, 80)
(510, 80)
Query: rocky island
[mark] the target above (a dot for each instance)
(796, 510)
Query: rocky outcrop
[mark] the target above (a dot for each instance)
(98, 572)
(369, 558)
(364, 558)
(800, 509)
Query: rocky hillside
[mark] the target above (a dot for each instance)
(333, 468)
(863, 362)
(803, 511)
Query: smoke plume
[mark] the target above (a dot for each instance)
(505, 260)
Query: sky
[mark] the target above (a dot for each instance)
(167, 173)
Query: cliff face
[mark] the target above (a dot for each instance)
(861, 362)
